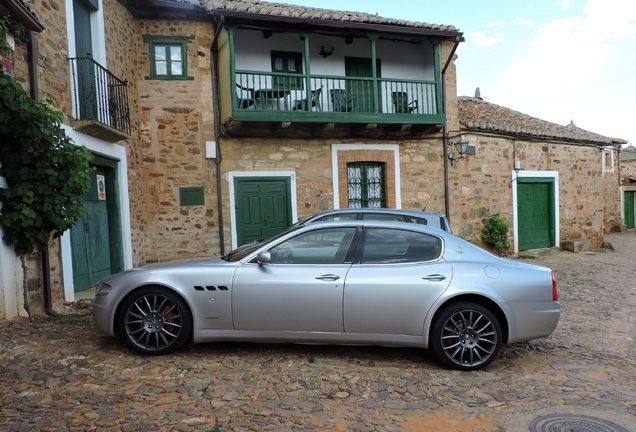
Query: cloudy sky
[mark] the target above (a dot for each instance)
(558, 60)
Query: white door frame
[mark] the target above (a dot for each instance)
(515, 211)
(238, 174)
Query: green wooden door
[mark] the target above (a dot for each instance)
(535, 205)
(263, 207)
(629, 209)
(90, 237)
(361, 90)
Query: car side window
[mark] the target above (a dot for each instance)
(382, 217)
(338, 217)
(391, 246)
(322, 246)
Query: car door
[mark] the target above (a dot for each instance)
(301, 289)
(394, 282)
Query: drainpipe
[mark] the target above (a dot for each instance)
(217, 126)
(32, 53)
(458, 39)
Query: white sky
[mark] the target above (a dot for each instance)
(558, 60)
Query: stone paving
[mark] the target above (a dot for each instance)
(59, 374)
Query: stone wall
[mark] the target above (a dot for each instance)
(175, 122)
(481, 185)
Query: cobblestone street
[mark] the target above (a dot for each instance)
(60, 374)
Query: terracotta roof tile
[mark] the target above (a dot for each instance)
(310, 13)
(478, 115)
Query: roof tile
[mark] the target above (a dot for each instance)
(479, 115)
(286, 10)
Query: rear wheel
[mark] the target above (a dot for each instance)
(155, 320)
(466, 336)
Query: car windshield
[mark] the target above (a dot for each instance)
(244, 250)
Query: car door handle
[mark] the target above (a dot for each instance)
(328, 277)
(434, 277)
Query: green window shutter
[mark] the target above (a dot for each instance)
(191, 196)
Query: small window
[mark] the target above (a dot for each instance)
(191, 196)
(608, 160)
(325, 246)
(365, 185)
(390, 246)
(168, 57)
(287, 63)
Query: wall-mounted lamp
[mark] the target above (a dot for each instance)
(461, 147)
(324, 53)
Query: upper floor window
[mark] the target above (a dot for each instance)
(168, 57)
(365, 185)
(287, 63)
(608, 160)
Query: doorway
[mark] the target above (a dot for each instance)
(362, 90)
(263, 207)
(96, 238)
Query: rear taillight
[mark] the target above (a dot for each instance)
(555, 294)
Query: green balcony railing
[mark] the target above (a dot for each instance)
(334, 98)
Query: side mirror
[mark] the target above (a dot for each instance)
(264, 258)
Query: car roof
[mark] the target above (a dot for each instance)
(418, 213)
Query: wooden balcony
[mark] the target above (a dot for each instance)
(323, 105)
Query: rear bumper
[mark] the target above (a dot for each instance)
(531, 320)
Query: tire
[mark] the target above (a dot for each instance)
(466, 336)
(155, 320)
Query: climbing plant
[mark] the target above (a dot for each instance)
(46, 174)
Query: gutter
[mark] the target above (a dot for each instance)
(458, 39)
(214, 73)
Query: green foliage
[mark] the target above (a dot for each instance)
(4, 29)
(46, 174)
(495, 233)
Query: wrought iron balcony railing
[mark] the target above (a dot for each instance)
(98, 95)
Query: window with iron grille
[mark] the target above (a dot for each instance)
(365, 184)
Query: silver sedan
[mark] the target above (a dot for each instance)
(352, 282)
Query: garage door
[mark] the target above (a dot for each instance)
(535, 206)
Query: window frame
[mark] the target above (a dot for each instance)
(182, 43)
(286, 82)
(393, 237)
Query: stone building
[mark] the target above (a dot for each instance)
(627, 158)
(557, 185)
(217, 123)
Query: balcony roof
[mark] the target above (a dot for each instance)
(24, 13)
(278, 14)
(475, 114)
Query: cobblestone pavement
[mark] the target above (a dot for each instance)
(59, 374)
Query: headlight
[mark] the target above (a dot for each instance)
(102, 289)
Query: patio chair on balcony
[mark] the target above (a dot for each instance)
(340, 102)
(315, 101)
(401, 103)
(244, 102)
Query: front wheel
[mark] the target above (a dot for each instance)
(155, 320)
(466, 336)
